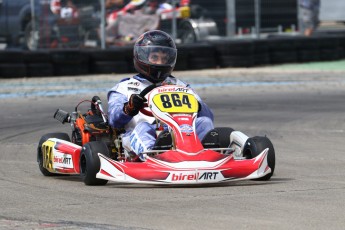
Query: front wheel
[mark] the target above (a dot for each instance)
(90, 163)
(62, 136)
(258, 145)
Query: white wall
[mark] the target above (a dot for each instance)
(332, 10)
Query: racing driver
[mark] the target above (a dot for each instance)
(154, 58)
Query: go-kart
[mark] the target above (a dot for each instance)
(178, 156)
(138, 16)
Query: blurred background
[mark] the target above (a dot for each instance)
(73, 37)
(51, 24)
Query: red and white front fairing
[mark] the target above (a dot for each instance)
(188, 162)
(156, 171)
(61, 156)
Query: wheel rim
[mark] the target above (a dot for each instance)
(31, 40)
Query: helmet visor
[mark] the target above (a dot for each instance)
(156, 55)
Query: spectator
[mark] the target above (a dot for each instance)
(64, 8)
(309, 15)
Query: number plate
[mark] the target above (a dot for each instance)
(176, 102)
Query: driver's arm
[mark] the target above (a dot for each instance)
(117, 117)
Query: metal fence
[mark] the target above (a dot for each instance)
(252, 17)
(103, 23)
(64, 24)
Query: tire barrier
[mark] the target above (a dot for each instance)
(12, 64)
(308, 49)
(329, 49)
(214, 53)
(38, 64)
(117, 60)
(200, 56)
(69, 62)
(238, 53)
(282, 50)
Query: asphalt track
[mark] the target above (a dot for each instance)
(302, 111)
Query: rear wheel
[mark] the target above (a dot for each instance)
(187, 33)
(62, 136)
(259, 144)
(90, 163)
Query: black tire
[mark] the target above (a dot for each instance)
(39, 70)
(258, 144)
(90, 164)
(330, 54)
(12, 70)
(308, 55)
(187, 33)
(39, 56)
(182, 57)
(11, 57)
(281, 57)
(202, 63)
(115, 55)
(236, 61)
(233, 48)
(261, 59)
(109, 67)
(62, 136)
(68, 69)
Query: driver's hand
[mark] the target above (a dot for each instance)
(135, 103)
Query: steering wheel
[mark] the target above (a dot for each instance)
(143, 94)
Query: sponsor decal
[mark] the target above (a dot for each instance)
(173, 89)
(168, 82)
(134, 89)
(183, 119)
(63, 160)
(136, 144)
(134, 83)
(186, 128)
(181, 115)
(213, 134)
(205, 176)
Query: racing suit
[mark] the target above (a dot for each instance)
(140, 134)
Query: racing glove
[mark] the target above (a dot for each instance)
(135, 103)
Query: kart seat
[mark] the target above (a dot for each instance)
(217, 138)
(211, 139)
